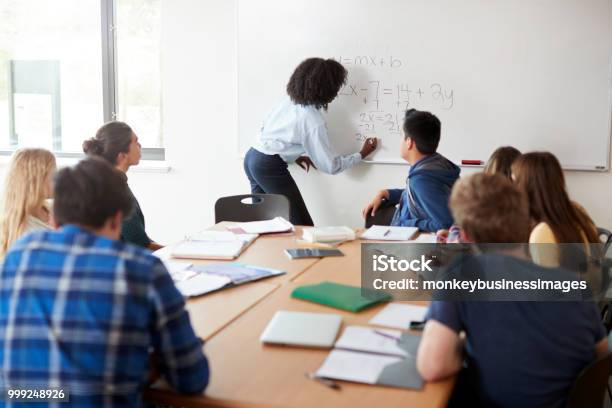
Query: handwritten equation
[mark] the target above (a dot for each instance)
(370, 61)
(384, 105)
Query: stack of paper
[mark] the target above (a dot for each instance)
(275, 225)
(328, 234)
(386, 233)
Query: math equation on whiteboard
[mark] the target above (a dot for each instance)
(384, 102)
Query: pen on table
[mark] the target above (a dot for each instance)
(387, 232)
(325, 381)
(387, 335)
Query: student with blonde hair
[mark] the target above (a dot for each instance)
(29, 183)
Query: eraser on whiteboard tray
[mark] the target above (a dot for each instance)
(472, 162)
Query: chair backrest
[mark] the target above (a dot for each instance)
(589, 389)
(251, 207)
(605, 236)
(384, 215)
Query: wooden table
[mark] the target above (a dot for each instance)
(213, 312)
(267, 251)
(246, 373)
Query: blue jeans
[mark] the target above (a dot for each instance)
(268, 174)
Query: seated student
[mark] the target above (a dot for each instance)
(85, 312)
(424, 201)
(554, 218)
(500, 162)
(118, 144)
(28, 185)
(516, 353)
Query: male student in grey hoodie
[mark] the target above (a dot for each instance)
(424, 201)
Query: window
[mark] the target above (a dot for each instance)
(67, 66)
(138, 61)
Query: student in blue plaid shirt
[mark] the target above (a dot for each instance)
(85, 312)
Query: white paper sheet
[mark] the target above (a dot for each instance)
(359, 338)
(355, 366)
(278, 224)
(399, 315)
(386, 233)
(201, 283)
(426, 239)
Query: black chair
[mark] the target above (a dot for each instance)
(251, 207)
(590, 387)
(384, 215)
(605, 236)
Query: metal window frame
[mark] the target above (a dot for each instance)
(109, 82)
(109, 72)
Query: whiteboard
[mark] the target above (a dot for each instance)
(534, 74)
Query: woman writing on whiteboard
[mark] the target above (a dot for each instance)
(295, 131)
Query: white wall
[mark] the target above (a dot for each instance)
(199, 74)
(199, 88)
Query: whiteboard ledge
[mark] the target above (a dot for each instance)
(600, 169)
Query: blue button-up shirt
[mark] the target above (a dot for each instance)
(292, 130)
(86, 313)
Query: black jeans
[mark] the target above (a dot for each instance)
(268, 174)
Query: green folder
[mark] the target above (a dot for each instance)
(343, 297)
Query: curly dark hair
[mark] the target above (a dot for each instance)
(316, 82)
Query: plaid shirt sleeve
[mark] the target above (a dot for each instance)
(178, 350)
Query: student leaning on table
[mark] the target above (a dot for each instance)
(516, 354)
(27, 187)
(297, 127)
(84, 312)
(117, 143)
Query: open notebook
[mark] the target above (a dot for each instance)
(370, 356)
(195, 280)
(387, 233)
(212, 245)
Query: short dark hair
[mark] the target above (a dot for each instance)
(110, 140)
(424, 128)
(89, 193)
(490, 209)
(316, 82)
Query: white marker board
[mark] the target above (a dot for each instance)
(534, 74)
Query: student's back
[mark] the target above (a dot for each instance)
(529, 330)
(85, 312)
(81, 311)
(521, 353)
